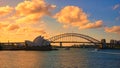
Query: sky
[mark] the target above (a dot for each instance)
(22, 20)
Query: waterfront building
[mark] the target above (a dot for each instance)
(119, 42)
(38, 41)
(114, 43)
(111, 43)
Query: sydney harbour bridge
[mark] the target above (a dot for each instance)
(73, 38)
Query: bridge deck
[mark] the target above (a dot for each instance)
(72, 42)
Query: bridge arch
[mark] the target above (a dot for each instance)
(91, 39)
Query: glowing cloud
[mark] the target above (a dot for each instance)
(5, 10)
(32, 11)
(75, 16)
(13, 27)
(26, 12)
(31, 30)
(29, 19)
(3, 25)
(114, 29)
(97, 24)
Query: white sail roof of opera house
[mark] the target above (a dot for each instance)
(38, 41)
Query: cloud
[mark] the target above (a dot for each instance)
(26, 13)
(32, 11)
(39, 31)
(3, 25)
(28, 7)
(114, 29)
(116, 6)
(117, 18)
(97, 24)
(75, 16)
(8, 26)
(30, 31)
(12, 27)
(66, 26)
(5, 10)
(29, 19)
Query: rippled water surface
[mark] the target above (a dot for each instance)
(73, 58)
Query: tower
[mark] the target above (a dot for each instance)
(103, 41)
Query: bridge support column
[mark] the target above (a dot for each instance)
(104, 45)
(60, 44)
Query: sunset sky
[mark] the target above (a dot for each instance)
(26, 19)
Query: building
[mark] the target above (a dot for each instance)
(38, 41)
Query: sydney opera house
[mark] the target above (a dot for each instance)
(39, 43)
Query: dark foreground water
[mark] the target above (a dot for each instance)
(73, 58)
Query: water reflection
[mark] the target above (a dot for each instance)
(20, 59)
(73, 58)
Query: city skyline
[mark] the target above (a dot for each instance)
(26, 19)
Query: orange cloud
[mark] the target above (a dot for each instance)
(114, 29)
(32, 11)
(3, 25)
(39, 31)
(5, 10)
(66, 26)
(28, 12)
(97, 24)
(75, 16)
(71, 14)
(28, 7)
(12, 27)
(32, 30)
(29, 19)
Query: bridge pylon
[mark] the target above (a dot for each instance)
(60, 44)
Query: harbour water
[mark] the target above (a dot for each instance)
(73, 58)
